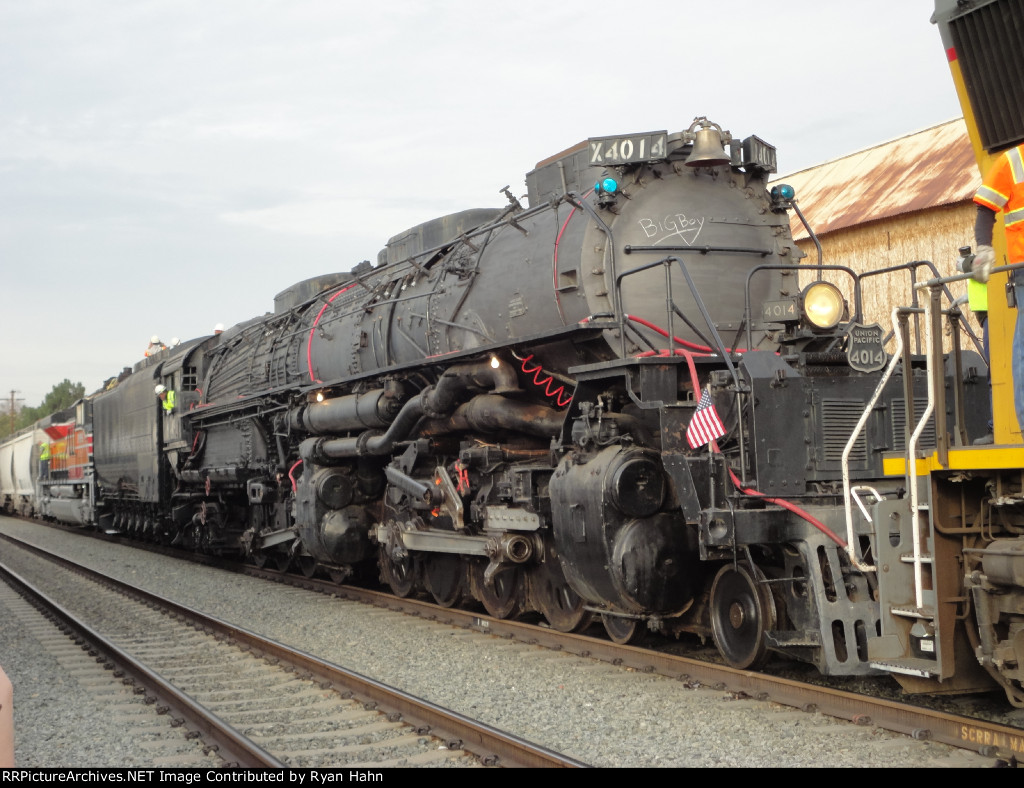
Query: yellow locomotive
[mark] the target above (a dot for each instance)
(963, 607)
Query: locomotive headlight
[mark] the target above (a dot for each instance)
(495, 363)
(823, 305)
(319, 396)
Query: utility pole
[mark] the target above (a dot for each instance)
(11, 407)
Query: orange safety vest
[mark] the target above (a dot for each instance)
(1002, 190)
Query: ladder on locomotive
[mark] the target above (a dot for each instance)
(914, 616)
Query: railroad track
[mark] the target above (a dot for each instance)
(257, 702)
(1003, 743)
(996, 744)
(167, 743)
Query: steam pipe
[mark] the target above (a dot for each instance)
(437, 402)
(372, 409)
(494, 413)
(419, 492)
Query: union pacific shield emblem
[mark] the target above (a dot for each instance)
(864, 349)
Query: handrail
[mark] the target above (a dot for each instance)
(747, 312)
(720, 348)
(847, 495)
(932, 359)
(911, 267)
(911, 458)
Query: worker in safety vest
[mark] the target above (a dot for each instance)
(166, 396)
(155, 346)
(44, 459)
(1002, 190)
(977, 299)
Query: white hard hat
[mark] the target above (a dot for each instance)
(154, 340)
(175, 341)
(219, 327)
(159, 389)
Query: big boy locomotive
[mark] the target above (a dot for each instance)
(631, 399)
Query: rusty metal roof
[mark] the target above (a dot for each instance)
(927, 169)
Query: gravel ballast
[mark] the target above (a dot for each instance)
(596, 713)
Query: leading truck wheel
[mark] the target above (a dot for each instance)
(623, 630)
(742, 610)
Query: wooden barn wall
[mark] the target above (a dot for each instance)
(935, 234)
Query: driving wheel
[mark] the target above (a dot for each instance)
(307, 565)
(444, 577)
(557, 602)
(398, 573)
(503, 597)
(280, 561)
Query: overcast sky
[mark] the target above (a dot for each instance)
(166, 165)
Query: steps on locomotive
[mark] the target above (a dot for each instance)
(910, 666)
(923, 613)
(910, 626)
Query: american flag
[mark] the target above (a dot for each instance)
(705, 425)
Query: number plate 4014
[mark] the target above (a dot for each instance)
(607, 151)
(865, 350)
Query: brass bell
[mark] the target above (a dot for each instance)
(708, 148)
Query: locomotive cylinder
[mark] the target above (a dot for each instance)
(615, 546)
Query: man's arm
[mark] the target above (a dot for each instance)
(984, 254)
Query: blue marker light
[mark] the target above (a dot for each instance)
(609, 185)
(783, 191)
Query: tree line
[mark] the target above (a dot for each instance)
(61, 396)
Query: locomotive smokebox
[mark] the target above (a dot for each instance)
(616, 543)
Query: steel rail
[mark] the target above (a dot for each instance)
(986, 738)
(493, 747)
(232, 745)
(990, 739)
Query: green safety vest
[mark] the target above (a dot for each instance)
(977, 295)
(169, 401)
(45, 453)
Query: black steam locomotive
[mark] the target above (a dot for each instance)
(620, 401)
